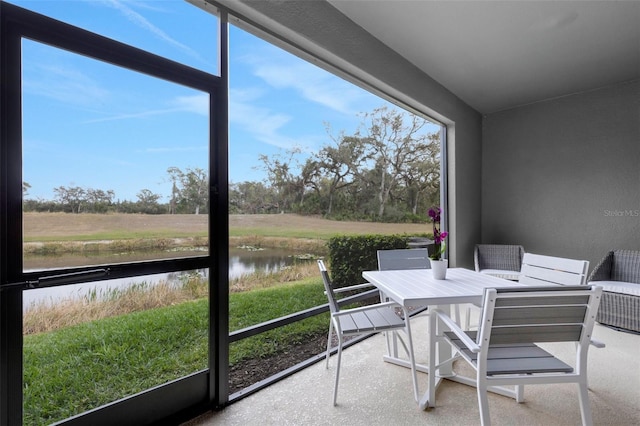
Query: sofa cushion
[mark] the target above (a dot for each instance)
(502, 273)
(631, 289)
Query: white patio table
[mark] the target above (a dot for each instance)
(417, 287)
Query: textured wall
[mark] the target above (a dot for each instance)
(317, 26)
(562, 177)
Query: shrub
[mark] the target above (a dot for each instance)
(350, 255)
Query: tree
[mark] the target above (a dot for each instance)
(190, 189)
(71, 197)
(251, 198)
(338, 164)
(422, 176)
(148, 201)
(99, 201)
(25, 189)
(395, 140)
(286, 177)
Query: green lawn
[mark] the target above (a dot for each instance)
(82, 367)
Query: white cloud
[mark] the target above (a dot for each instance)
(142, 114)
(203, 148)
(143, 23)
(198, 104)
(283, 71)
(63, 83)
(58, 75)
(261, 123)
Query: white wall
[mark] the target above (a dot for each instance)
(562, 177)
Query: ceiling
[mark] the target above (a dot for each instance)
(496, 55)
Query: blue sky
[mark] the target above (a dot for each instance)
(93, 125)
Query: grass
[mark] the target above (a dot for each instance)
(119, 234)
(85, 363)
(282, 233)
(261, 280)
(254, 307)
(78, 368)
(42, 317)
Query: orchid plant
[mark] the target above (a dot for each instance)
(438, 237)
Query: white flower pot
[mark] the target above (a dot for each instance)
(439, 268)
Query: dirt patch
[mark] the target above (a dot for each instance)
(65, 224)
(249, 372)
(294, 221)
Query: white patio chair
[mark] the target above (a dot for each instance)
(399, 259)
(538, 269)
(504, 351)
(366, 319)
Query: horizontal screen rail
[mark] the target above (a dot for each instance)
(54, 280)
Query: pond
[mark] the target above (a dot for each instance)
(241, 262)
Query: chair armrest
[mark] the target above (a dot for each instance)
(352, 287)
(602, 271)
(455, 328)
(365, 308)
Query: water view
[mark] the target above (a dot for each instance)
(242, 261)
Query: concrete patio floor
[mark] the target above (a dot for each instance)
(372, 392)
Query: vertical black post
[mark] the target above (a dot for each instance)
(10, 220)
(219, 230)
(11, 357)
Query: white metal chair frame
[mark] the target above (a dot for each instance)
(504, 350)
(366, 319)
(538, 269)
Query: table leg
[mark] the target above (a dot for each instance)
(438, 355)
(443, 352)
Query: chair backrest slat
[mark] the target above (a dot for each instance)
(399, 259)
(557, 333)
(538, 269)
(545, 301)
(558, 314)
(539, 314)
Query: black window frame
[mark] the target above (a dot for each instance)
(206, 388)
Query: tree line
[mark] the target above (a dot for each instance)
(189, 195)
(388, 170)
